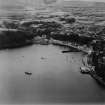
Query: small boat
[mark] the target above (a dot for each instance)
(84, 70)
(28, 73)
(43, 58)
(66, 51)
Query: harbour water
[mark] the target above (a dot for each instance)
(55, 78)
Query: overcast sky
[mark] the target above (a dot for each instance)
(89, 0)
(35, 2)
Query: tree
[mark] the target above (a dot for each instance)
(70, 20)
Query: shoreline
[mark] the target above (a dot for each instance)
(19, 45)
(59, 43)
(94, 76)
(89, 70)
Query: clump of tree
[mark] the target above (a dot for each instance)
(49, 27)
(14, 38)
(41, 27)
(69, 20)
(10, 24)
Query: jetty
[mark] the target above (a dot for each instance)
(69, 44)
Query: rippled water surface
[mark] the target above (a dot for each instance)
(55, 77)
